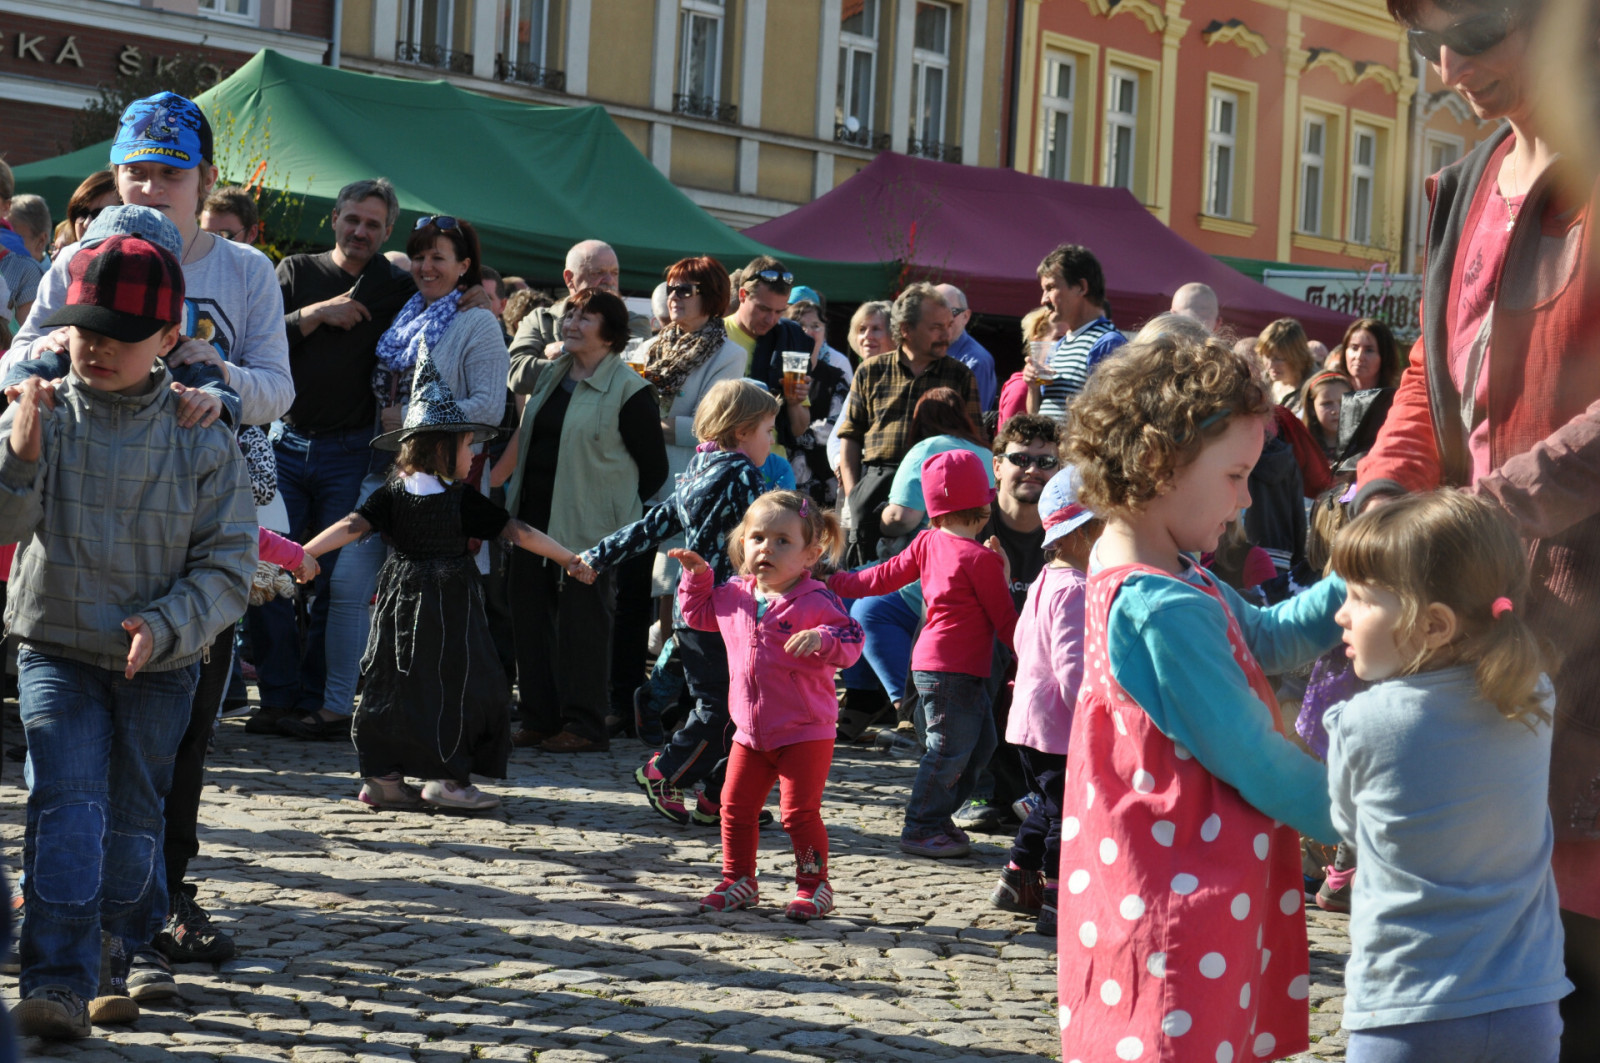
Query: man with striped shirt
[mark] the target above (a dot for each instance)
(1073, 287)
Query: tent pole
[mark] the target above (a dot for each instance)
(336, 43)
(1016, 83)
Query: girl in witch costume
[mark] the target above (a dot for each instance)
(434, 703)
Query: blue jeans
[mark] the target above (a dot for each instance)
(890, 626)
(1530, 1034)
(349, 606)
(954, 718)
(319, 479)
(100, 756)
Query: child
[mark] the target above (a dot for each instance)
(434, 703)
(734, 421)
(109, 654)
(1049, 639)
(1439, 773)
(966, 590)
(1186, 938)
(786, 636)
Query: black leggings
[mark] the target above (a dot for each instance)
(182, 842)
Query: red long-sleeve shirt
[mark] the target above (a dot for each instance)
(964, 588)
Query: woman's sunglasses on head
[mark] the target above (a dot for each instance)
(442, 222)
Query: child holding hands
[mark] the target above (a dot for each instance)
(966, 589)
(1439, 774)
(434, 703)
(1186, 938)
(786, 635)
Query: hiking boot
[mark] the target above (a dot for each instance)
(1019, 891)
(813, 899)
(112, 1004)
(662, 795)
(51, 1011)
(452, 797)
(732, 894)
(939, 846)
(190, 936)
(1046, 926)
(150, 976)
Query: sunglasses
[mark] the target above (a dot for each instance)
(442, 222)
(683, 291)
(774, 276)
(88, 216)
(1024, 460)
(1472, 36)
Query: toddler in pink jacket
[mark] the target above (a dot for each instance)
(787, 635)
(1049, 642)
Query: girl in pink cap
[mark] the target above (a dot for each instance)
(966, 588)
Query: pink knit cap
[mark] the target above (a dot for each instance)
(953, 481)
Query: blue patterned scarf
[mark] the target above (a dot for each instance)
(414, 325)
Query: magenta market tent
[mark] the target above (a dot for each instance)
(985, 231)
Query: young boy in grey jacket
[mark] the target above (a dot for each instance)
(137, 543)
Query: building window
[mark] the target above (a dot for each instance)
(700, 58)
(236, 8)
(1221, 153)
(1440, 153)
(1363, 181)
(1313, 167)
(930, 79)
(1122, 128)
(1055, 102)
(858, 74)
(523, 33)
(430, 32)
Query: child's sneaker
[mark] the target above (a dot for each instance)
(1046, 926)
(1027, 805)
(708, 813)
(1334, 894)
(452, 797)
(150, 976)
(662, 795)
(812, 900)
(939, 846)
(190, 936)
(51, 1011)
(1019, 891)
(730, 894)
(112, 1004)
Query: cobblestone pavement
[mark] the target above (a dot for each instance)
(561, 928)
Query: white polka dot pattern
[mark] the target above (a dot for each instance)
(1163, 832)
(1078, 881)
(1213, 965)
(1108, 851)
(1088, 934)
(1240, 908)
(1184, 884)
(1211, 828)
(1157, 964)
(1143, 782)
(1130, 1048)
(1176, 1023)
(1111, 993)
(1132, 906)
(1264, 1045)
(1300, 988)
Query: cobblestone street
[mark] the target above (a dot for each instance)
(562, 928)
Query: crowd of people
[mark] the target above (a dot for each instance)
(1200, 620)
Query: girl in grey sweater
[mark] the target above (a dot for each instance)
(1439, 775)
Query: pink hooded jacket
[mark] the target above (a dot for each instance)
(775, 698)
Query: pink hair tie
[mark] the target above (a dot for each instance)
(1500, 607)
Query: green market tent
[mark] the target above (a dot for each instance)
(532, 180)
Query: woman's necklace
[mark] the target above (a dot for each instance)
(1511, 208)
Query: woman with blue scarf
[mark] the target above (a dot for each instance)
(469, 350)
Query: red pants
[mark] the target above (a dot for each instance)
(802, 770)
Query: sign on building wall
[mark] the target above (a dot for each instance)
(1392, 298)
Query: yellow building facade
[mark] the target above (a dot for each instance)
(751, 107)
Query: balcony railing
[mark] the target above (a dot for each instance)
(933, 149)
(704, 107)
(861, 138)
(530, 74)
(434, 56)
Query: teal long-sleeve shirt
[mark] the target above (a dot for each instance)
(1168, 645)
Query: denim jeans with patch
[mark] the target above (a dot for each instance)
(100, 757)
(955, 719)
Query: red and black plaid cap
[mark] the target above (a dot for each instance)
(126, 287)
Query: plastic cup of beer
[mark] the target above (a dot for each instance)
(635, 357)
(795, 366)
(1039, 358)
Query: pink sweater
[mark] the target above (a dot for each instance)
(965, 593)
(775, 698)
(1049, 661)
(276, 550)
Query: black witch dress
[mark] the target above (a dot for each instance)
(435, 701)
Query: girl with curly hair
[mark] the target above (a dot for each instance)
(1181, 930)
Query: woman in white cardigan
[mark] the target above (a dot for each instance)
(683, 361)
(469, 350)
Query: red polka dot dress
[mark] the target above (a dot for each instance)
(1181, 933)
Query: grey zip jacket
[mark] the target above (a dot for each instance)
(125, 514)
